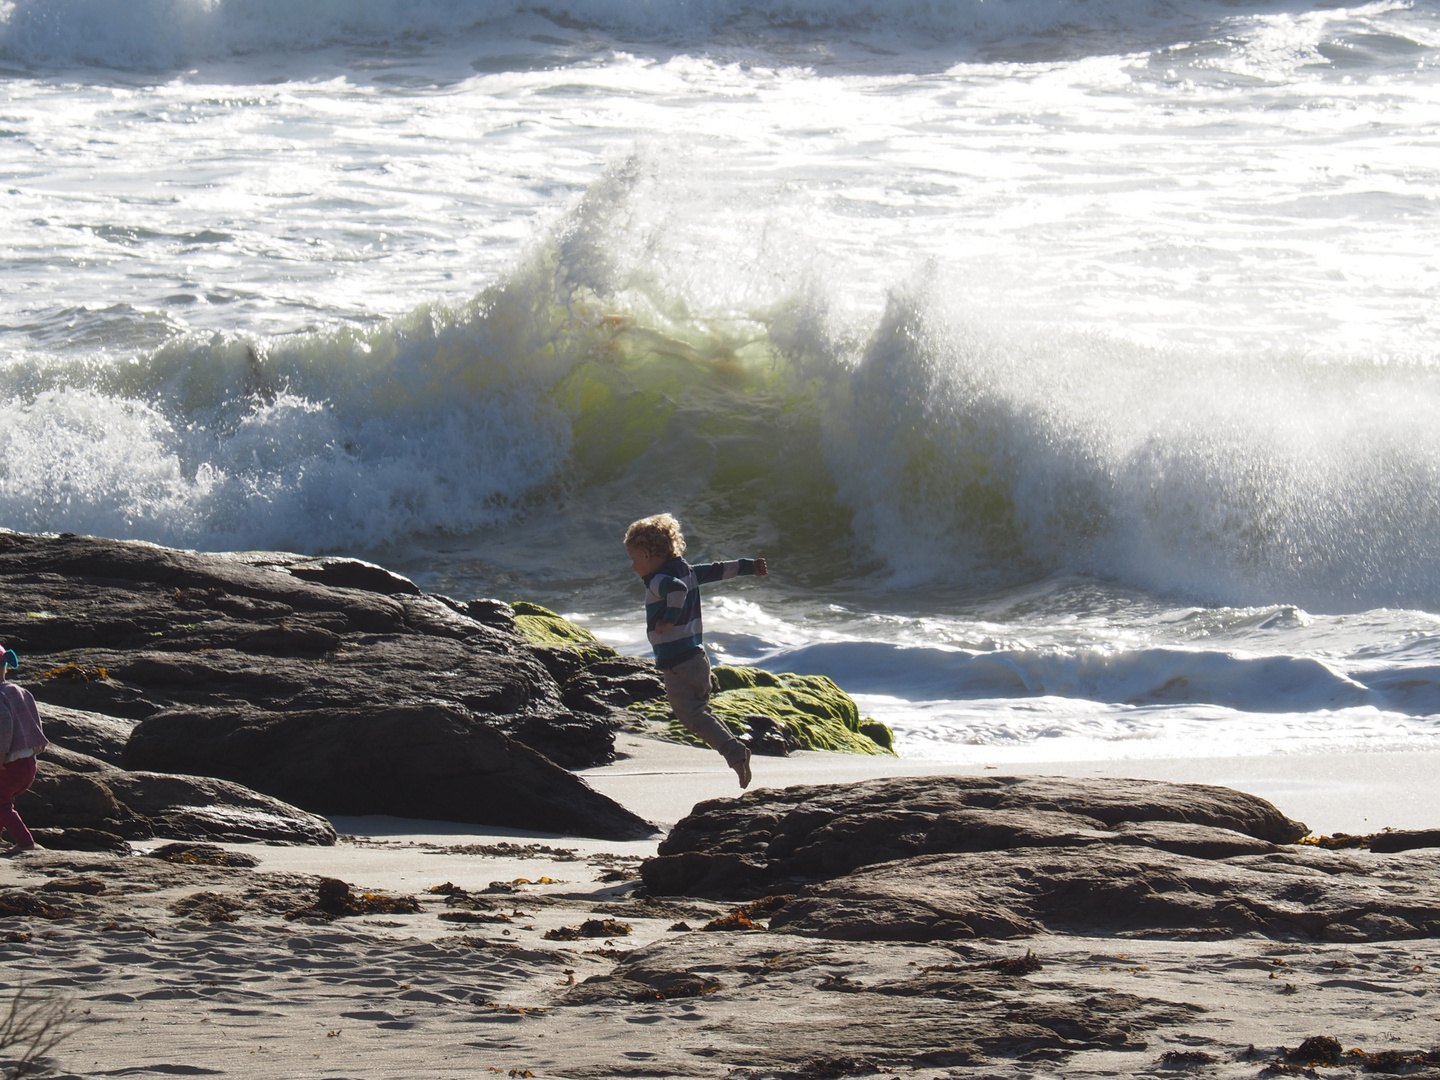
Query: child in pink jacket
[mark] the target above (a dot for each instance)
(20, 740)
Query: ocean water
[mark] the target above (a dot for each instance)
(1075, 363)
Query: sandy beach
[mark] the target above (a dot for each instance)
(487, 992)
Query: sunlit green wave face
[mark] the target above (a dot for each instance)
(714, 424)
(603, 379)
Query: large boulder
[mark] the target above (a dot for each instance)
(94, 734)
(127, 629)
(73, 791)
(421, 760)
(949, 858)
(1113, 888)
(130, 631)
(771, 839)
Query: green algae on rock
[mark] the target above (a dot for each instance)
(812, 708)
(548, 629)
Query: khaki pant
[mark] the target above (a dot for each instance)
(688, 687)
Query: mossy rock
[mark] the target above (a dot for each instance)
(541, 626)
(816, 712)
(812, 708)
(879, 733)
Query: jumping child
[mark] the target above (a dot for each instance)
(20, 740)
(672, 623)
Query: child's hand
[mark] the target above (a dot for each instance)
(761, 570)
(663, 626)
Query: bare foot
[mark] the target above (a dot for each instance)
(20, 849)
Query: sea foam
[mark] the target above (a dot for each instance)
(935, 444)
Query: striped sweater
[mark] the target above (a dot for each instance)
(672, 595)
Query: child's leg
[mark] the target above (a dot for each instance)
(687, 686)
(15, 778)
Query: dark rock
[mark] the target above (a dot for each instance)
(1197, 841)
(201, 806)
(758, 843)
(88, 733)
(561, 661)
(423, 760)
(354, 574)
(496, 614)
(953, 858)
(573, 741)
(82, 796)
(930, 1019)
(77, 839)
(996, 830)
(129, 631)
(57, 755)
(1397, 840)
(764, 736)
(1104, 889)
(62, 799)
(611, 684)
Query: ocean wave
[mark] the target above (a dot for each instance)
(148, 35)
(609, 374)
(1155, 676)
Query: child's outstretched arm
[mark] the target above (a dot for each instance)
(724, 571)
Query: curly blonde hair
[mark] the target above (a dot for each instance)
(657, 535)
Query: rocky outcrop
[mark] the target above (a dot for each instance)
(772, 839)
(265, 644)
(949, 858)
(75, 793)
(92, 734)
(1111, 888)
(835, 1009)
(776, 713)
(421, 761)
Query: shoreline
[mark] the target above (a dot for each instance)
(1351, 792)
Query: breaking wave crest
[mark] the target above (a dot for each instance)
(934, 445)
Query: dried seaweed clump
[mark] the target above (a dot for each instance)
(1015, 965)
(746, 916)
(17, 902)
(202, 855)
(335, 901)
(75, 673)
(590, 928)
(208, 907)
(1326, 1050)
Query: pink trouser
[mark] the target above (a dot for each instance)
(15, 778)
